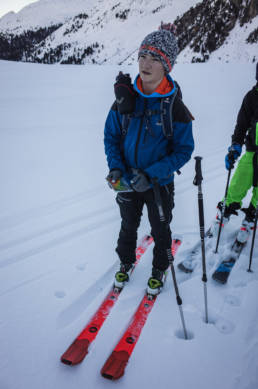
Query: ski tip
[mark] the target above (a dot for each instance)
(223, 271)
(221, 277)
(76, 352)
(115, 365)
(186, 270)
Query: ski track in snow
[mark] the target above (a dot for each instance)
(51, 209)
(58, 241)
(61, 229)
(26, 282)
(80, 304)
(54, 228)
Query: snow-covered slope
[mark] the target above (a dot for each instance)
(224, 30)
(43, 13)
(59, 224)
(109, 31)
(240, 52)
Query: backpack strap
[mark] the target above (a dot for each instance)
(125, 124)
(124, 128)
(166, 107)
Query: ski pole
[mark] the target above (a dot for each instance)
(170, 255)
(158, 199)
(223, 209)
(198, 181)
(252, 246)
(178, 298)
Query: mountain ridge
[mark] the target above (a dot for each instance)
(50, 32)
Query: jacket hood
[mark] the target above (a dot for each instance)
(155, 94)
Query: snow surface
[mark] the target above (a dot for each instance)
(59, 224)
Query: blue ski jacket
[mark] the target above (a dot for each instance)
(145, 146)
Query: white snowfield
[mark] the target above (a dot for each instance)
(59, 224)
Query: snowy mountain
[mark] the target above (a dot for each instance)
(109, 31)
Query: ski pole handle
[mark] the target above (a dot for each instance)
(198, 170)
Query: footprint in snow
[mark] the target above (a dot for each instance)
(234, 301)
(239, 283)
(81, 267)
(60, 294)
(224, 326)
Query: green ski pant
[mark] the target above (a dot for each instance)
(242, 181)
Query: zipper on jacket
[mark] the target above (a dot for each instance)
(139, 134)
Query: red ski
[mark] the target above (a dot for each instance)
(115, 365)
(80, 347)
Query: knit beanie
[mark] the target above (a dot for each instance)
(162, 44)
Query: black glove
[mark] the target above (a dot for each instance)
(114, 175)
(125, 94)
(140, 181)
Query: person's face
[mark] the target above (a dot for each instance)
(151, 69)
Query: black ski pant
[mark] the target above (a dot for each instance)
(131, 206)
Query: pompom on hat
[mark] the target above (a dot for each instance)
(162, 44)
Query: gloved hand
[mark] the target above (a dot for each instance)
(114, 175)
(234, 151)
(125, 94)
(140, 181)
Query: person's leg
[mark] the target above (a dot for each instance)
(160, 230)
(242, 180)
(131, 205)
(254, 199)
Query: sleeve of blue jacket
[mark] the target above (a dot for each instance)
(183, 145)
(112, 142)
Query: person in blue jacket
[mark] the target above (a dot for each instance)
(147, 155)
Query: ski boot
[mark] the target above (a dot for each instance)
(189, 264)
(156, 282)
(247, 224)
(244, 231)
(249, 213)
(122, 276)
(231, 209)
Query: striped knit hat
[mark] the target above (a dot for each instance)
(161, 44)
